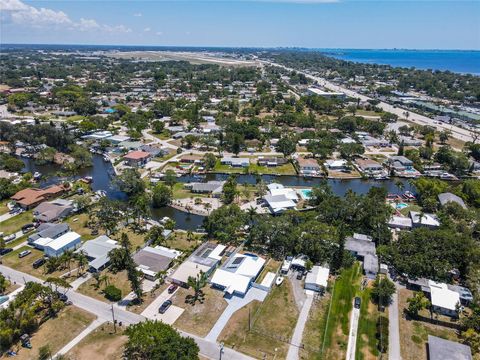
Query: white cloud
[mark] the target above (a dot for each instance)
(147, 29)
(159, 33)
(19, 13)
(137, 14)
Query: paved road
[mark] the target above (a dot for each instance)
(296, 341)
(352, 337)
(103, 311)
(393, 328)
(456, 132)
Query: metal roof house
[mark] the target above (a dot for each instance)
(48, 230)
(97, 251)
(152, 260)
(317, 279)
(441, 349)
(68, 241)
(363, 248)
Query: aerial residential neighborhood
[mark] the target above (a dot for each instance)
(231, 202)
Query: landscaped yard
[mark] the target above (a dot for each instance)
(15, 223)
(119, 279)
(57, 332)
(414, 333)
(199, 318)
(286, 169)
(102, 340)
(272, 324)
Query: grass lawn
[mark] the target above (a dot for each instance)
(199, 318)
(103, 340)
(271, 266)
(179, 192)
(286, 169)
(17, 241)
(414, 333)
(344, 175)
(135, 238)
(314, 328)
(165, 135)
(272, 326)
(338, 322)
(25, 264)
(15, 223)
(3, 207)
(119, 280)
(78, 223)
(57, 332)
(178, 241)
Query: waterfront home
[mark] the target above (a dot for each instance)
(235, 162)
(401, 166)
(30, 197)
(117, 139)
(204, 259)
(137, 158)
(191, 159)
(363, 248)
(279, 203)
(369, 166)
(154, 151)
(336, 165)
(98, 135)
(308, 166)
(151, 260)
(424, 220)
(237, 274)
(54, 210)
(56, 247)
(271, 161)
(400, 222)
(97, 251)
(211, 187)
(317, 279)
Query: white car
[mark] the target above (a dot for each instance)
(10, 237)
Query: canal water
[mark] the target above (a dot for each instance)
(102, 174)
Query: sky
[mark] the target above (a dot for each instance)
(382, 24)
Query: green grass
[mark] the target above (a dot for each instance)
(411, 207)
(3, 207)
(287, 169)
(15, 223)
(367, 329)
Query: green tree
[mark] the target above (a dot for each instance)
(156, 340)
(287, 145)
(197, 284)
(130, 182)
(155, 236)
(113, 293)
(161, 196)
(158, 127)
(417, 303)
(229, 191)
(209, 160)
(170, 178)
(382, 291)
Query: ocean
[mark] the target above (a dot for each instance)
(460, 61)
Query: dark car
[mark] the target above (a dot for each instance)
(37, 263)
(27, 228)
(172, 288)
(357, 303)
(300, 275)
(165, 306)
(5, 251)
(62, 297)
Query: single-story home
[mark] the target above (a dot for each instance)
(317, 279)
(279, 203)
(97, 251)
(441, 349)
(237, 274)
(137, 158)
(336, 164)
(204, 259)
(53, 210)
(28, 198)
(308, 166)
(271, 161)
(444, 301)
(235, 162)
(48, 230)
(151, 260)
(425, 220)
(56, 247)
(210, 187)
(369, 166)
(363, 248)
(400, 222)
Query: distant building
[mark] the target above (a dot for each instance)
(54, 210)
(137, 158)
(369, 167)
(322, 93)
(363, 248)
(446, 198)
(235, 162)
(271, 161)
(28, 198)
(308, 166)
(441, 349)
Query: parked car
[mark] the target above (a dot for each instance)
(300, 275)
(39, 262)
(172, 288)
(27, 228)
(5, 251)
(24, 253)
(165, 306)
(357, 302)
(62, 297)
(10, 237)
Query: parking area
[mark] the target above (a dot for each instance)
(170, 316)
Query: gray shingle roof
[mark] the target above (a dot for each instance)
(440, 349)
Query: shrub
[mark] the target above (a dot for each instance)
(113, 293)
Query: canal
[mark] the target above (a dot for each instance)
(102, 174)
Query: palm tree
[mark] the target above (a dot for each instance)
(104, 279)
(190, 236)
(208, 207)
(82, 261)
(197, 284)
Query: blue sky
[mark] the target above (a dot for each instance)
(267, 23)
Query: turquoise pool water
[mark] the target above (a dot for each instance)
(305, 193)
(401, 206)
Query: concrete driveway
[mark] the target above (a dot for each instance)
(170, 316)
(352, 336)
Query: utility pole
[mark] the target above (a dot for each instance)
(221, 350)
(114, 321)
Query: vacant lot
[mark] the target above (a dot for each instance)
(15, 223)
(102, 340)
(272, 324)
(147, 299)
(57, 332)
(179, 241)
(119, 279)
(78, 223)
(337, 326)
(414, 333)
(199, 318)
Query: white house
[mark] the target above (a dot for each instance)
(444, 301)
(68, 241)
(317, 279)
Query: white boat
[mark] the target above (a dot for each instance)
(37, 175)
(164, 220)
(101, 193)
(279, 280)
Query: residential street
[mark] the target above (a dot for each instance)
(103, 311)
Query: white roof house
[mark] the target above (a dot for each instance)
(290, 194)
(279, 203)
(400, 222)
(427, 220)
(237, 273)
(68, 241)
(335, 164)
(443, 299)
(274, 186)
(317, 279)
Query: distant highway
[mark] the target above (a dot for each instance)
(456, 132)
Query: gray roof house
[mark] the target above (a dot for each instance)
(363, 248)
(53, 210)
(97, 252)
(49, 230)
(445, 198)
(441, 349)
(210, 187)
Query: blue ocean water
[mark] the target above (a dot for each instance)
(467, 61)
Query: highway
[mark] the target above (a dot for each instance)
(456, 132)
(103, 311)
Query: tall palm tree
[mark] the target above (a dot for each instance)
(197, 284)
(82, 261)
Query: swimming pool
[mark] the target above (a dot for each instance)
(401, 206)
(305, 193)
